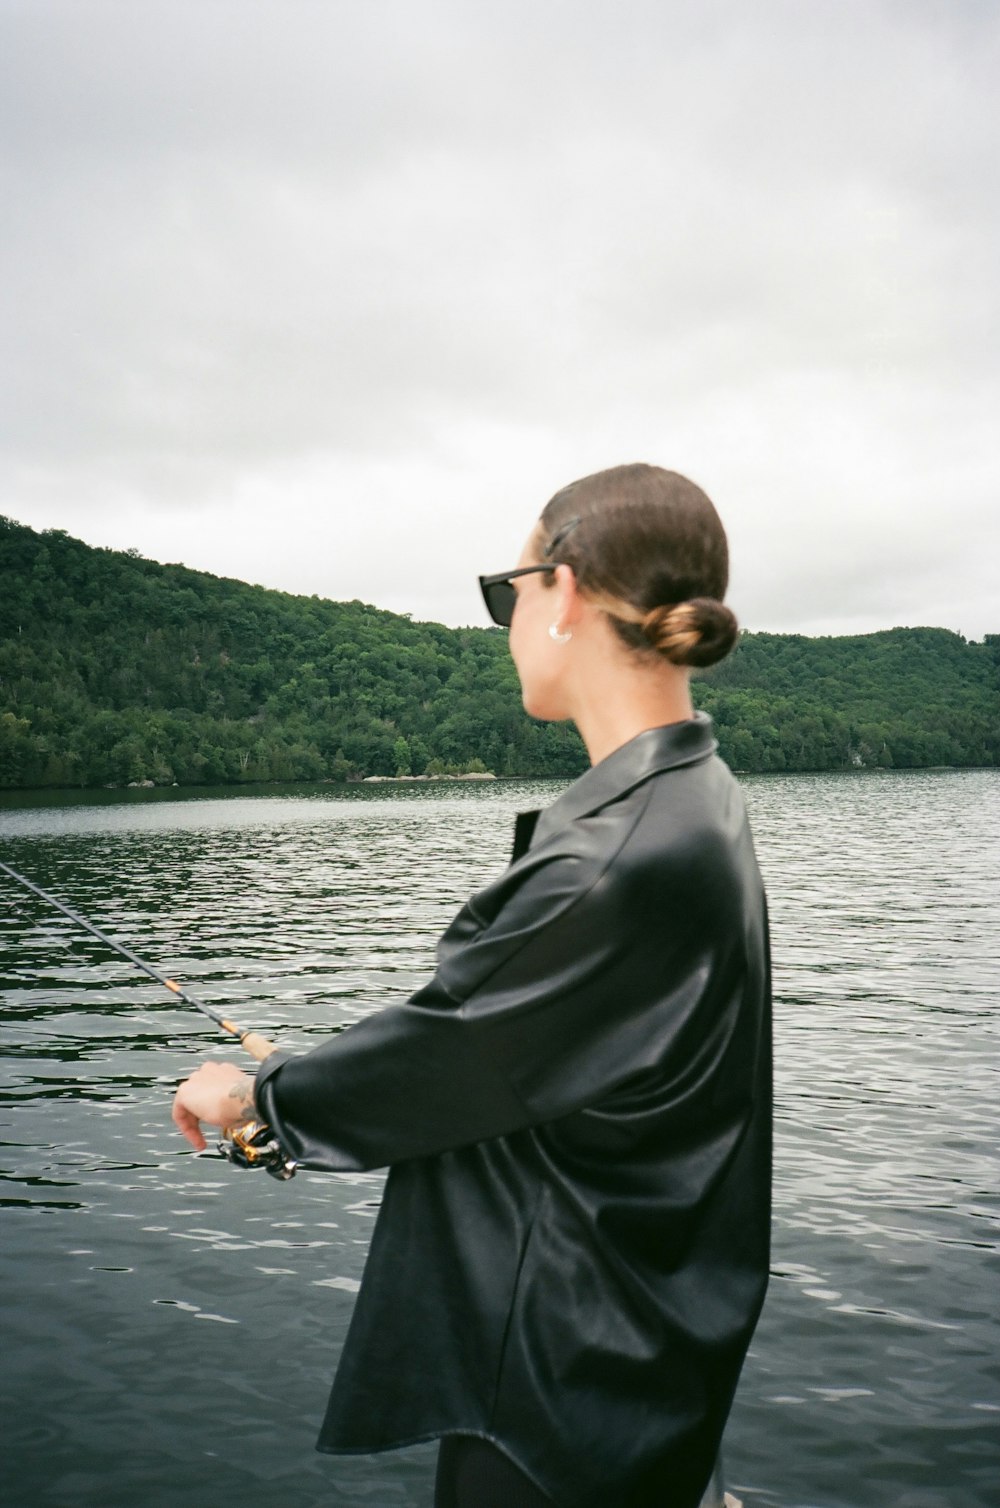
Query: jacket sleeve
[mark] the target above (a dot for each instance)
(553, 986)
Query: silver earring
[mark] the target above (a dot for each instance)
(557, 636)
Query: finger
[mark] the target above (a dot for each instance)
(188, 1124)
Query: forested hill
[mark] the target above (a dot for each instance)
(116, 669)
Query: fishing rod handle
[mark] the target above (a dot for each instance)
(257, 1046)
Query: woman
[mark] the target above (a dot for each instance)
(572, 1248)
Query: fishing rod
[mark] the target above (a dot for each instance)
(252, 1145)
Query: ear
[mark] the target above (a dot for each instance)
(567, 601)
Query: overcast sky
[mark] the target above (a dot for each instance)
(332, 296)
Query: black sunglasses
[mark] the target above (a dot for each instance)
(498, 594)
(500, 597)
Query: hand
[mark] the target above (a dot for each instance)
(220, 1094)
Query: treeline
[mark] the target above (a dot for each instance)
(907, 698)
(116, 669)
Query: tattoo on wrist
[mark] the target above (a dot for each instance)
(242, 1091)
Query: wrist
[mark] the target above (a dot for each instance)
(240, 1105)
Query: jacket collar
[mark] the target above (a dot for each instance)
(648, 754)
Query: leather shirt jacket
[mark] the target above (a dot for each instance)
(572, 1248)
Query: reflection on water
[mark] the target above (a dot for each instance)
(171, 1323)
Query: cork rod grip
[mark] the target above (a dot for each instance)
(257, 1046)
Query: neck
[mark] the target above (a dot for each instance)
(613, 709)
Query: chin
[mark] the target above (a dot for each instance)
(545, 708)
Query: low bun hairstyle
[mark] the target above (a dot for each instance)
(698, 632)
(648, 547)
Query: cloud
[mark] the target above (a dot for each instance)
(333, 297)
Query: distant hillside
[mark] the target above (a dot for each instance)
(905, 697)
(115, 669)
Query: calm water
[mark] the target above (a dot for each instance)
(171, 1324)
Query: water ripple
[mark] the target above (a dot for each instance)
(872, 1378)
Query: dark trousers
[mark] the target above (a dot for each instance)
(472, 1473)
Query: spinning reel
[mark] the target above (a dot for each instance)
(254, 1145)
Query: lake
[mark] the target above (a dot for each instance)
(171, 1324)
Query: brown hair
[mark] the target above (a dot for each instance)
(648, 547)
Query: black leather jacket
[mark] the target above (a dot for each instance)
(572, 1248)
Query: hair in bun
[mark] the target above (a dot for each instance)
(698, 632)
(648, 547)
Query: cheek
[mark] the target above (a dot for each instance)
(518, 650)
(538, 668)
(522, 629)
